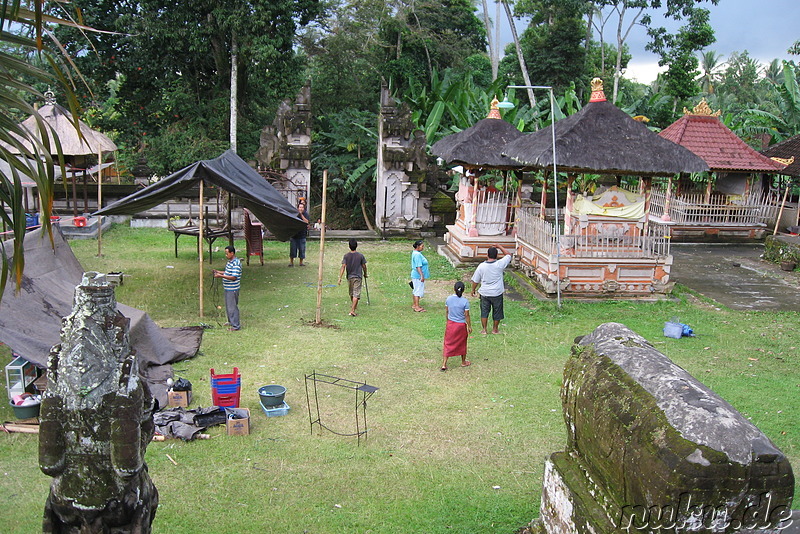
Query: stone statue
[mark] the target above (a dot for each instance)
(268, 154)
(96, 422)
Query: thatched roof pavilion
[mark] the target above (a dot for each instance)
(76, 147)
(601, 138)
(788, 152)
(480, 145)
(701, 131)
(60, 121)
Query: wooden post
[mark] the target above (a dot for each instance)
(667, 201)
(99, 204)
(318, 319)
(569, 204)
(780, 212)
(200, 247)
(543, 201)
(74, 195)
(229, 219)
(85, 189)
(517, 204)
(648, 192)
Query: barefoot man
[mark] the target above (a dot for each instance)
(489, 275)
(356, 266)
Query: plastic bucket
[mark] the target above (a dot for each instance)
(25, 412)
(272, 395)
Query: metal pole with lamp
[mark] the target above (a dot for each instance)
(506, 104)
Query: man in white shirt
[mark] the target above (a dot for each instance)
(489, 275)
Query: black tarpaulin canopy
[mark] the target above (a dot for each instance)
(229, 172)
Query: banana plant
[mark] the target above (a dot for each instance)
(28, 156)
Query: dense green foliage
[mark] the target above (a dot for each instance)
(553, 44)
(430, 34)
(173, 62)
(159, 75)
(678, 53)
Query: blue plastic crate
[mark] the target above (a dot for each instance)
(275, 411)
(226, 388)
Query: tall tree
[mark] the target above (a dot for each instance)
(623, 31)
(632, 13)
(428, 35)
(494, 52)
(598, 20)
(523, 67)
(345, 50)
(553, 41)
(175, 63)
(678, 53)
(741, 79)
(710, 65)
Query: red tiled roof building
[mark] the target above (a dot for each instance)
(703, 133)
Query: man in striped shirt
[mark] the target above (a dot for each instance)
(231, 281)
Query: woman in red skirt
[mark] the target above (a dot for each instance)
(458, 328)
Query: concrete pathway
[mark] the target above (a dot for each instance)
(736, 277)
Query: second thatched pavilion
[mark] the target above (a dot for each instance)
(605, 244)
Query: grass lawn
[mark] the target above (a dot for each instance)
(454, 452)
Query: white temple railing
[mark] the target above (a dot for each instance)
(492, 210)
(756, 208)
(653, 243)
(536, 231)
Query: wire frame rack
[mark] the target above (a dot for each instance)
(362, 392)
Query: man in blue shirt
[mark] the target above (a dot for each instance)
(231, 281)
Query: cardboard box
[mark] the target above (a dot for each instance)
(179, 398)
(241, 426)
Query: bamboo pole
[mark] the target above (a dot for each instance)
(318, 319)
(780, 212)
(200, 247)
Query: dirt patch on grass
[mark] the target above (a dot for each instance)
(441, 289)
(321, 324)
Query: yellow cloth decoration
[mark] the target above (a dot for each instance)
(584, 206)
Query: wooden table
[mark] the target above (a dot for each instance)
(209, 235)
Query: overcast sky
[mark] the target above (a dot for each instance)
(765, 28)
